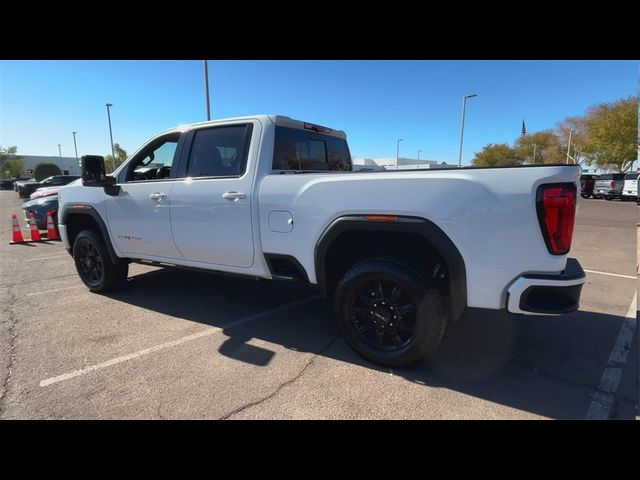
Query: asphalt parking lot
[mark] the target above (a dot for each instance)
(179, 344)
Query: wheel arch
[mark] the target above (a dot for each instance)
(417, 226)
(78, 217)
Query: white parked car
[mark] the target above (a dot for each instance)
(401, 252)
(630, 187)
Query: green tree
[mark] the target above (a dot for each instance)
(548, 147)
(44, 170)
(121, 156)
(576, 126)
(497, 155)
(611, 134)
(11, 165)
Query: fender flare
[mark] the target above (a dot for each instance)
(406, 224)
(76, 209)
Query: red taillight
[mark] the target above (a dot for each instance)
(613, 184)
(381, 218)
(556, 213)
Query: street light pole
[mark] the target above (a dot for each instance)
(75, 146)
(569, 146)
(534, 153)
(59, 151)
(398, 151)
(206, 89)
(419, 158)
(464, 107)
(113, 155)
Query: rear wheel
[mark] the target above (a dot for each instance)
(389, 313)
(94, 264)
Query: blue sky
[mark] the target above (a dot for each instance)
(375, 102)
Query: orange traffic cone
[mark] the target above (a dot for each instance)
(35, 233)
(17, 233)
(52, 234)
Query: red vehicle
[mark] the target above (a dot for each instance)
(44, 192)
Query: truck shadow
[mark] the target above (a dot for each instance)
(547, 366)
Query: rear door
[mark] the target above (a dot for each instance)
(211, 206)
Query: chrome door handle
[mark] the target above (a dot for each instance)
(234, 196)
(158, 196)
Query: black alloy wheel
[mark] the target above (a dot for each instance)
(90, 263)
(389, 313)
(94, 264)
(383, 315)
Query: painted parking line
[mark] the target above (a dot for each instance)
(173, 343)
(46, 258)
(602, 400)
(632, 277)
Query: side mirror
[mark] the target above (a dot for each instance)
(111, 186)
(93, 171)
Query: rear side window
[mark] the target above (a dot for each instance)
(219, 151)
(305, 150)
(631, 176)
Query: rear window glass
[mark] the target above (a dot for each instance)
(305, 150)
(611, 176)
(631, 176)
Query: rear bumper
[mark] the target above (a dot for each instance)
(607, 192)
(544, 294)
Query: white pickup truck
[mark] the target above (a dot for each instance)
(401, 252)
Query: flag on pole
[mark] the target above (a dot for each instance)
(524, 129)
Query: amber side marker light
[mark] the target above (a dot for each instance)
(380, 218)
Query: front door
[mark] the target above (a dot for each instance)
(138, 216)
(211, 208)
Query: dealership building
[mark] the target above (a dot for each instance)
(402, 163)
(68, 165)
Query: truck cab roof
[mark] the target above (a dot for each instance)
(280, 120)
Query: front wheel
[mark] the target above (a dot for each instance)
(94, 264)
(388, 313)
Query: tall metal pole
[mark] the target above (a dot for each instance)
(206, 89)
(59, 151)
(419, 158)
(534, 153)
(569, 146)
(75, 146)
(113, 155)
(464, 107)
(398, 151)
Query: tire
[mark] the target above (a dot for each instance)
(415, 334)
(608, 197)
(94, 265)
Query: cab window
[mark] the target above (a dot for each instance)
(219, 151)
(155, 161)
